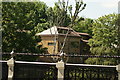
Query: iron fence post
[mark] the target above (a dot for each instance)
(60, 66)
(118, 70)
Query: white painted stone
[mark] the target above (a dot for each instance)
(60, 65)
(10, 64)
(118, 69)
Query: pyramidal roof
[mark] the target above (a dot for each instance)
(50, 31)
(54, 31)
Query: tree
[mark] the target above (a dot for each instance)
(84, 25)
(62, 15)
(58, 16)
(20, 23)
(118, 35)
(104, 40)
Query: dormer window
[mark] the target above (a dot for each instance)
(59, 31)
(62, 31)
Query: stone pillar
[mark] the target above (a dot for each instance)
(10, 64)
(60, 65)
(118, 69)
(0, 70)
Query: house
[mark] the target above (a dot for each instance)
(85, 48)
(53, 39)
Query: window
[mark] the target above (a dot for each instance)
(62, 31)
(65, 31)
(75, 44)
(59, 31)
(51, 43)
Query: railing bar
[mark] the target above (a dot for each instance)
(35, 62)
(83, 73)
(2, 61)
(68, 55)
(66, 64)
(89, 65)
(98, 74)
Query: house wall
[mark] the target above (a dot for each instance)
(68, 49)
(71, 49)
(85, 48)
(72, 45)
(45, 44)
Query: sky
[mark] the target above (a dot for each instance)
(94, 8)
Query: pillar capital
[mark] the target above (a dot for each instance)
(118, 68)
(10, 62)
(60, 65)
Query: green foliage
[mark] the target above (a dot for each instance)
(58, 15)
(118, 35)
(79, 6)
(61, 14)
(20, 23)
(84, 25)
(104, 40)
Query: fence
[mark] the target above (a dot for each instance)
(90, 72)
(68, 55)
(48, 71)
(35, 71)
(30, 71)
(4, 70)
(14, 70)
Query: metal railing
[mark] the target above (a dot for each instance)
(30, 71)
(60, 70)
(48, 71)
(4, 70)
(68, 55)
(35, 71)
(90, 72)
